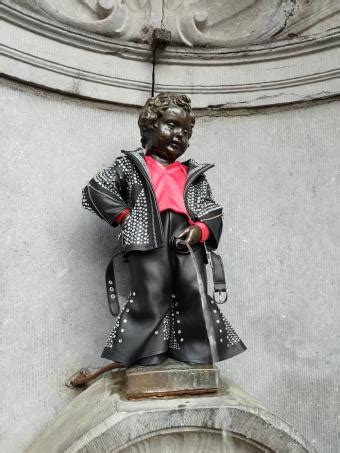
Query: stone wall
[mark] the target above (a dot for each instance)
(275, 177)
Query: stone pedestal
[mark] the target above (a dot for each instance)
(102, 419)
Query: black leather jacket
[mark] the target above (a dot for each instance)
(127, 184)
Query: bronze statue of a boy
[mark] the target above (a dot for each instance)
(162, 206)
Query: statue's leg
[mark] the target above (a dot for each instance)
(152, 360)
(142, 328)
(190, 335)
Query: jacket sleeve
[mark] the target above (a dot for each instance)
(212, 216)
(105, 195)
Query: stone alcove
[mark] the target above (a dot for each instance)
(223, 53)
(68, 79)
(102, 419)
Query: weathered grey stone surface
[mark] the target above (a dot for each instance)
(276, 178)
(103, 420)
(195, 440)
(255, 70)
(223, 23)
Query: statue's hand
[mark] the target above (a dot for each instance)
(191, 235)
(126, 218)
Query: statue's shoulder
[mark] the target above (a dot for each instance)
(132, 155)
(193, 164)
(133, 152)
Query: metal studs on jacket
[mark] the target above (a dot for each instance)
(127, 184)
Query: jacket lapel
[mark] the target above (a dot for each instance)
(137, 158)
(195, 169)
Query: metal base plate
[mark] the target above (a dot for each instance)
(170, 379)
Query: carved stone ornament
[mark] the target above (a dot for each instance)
(266, 52)
(221, 23)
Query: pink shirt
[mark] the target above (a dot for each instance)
(169, 184)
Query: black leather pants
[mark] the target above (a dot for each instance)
(163, 315)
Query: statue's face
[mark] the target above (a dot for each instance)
(170, 136)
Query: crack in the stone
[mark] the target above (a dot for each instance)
(289, 13)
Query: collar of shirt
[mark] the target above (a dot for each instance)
(153, 164)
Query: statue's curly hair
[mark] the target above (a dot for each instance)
(156, 106)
